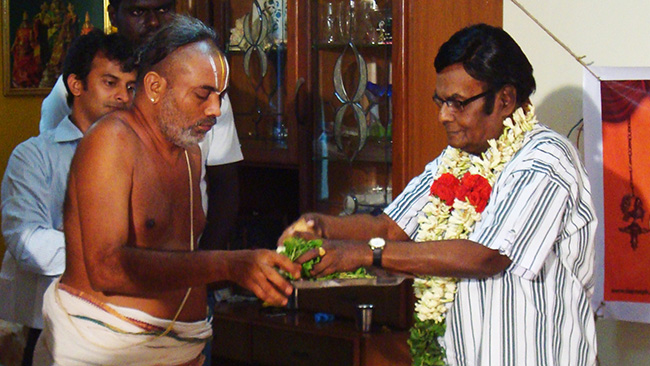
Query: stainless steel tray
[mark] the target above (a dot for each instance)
(345, 282)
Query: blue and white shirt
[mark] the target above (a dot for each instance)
(540, 215)
(33, 191)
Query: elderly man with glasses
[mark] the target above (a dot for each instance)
(504, 217)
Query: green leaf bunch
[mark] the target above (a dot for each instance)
(423, 342)
(295, 247)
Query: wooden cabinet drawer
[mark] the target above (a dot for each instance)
(287, 348)
(231, 340)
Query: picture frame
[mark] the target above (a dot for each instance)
(35, 37)
(616, 108)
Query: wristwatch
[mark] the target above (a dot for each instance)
(377, 245)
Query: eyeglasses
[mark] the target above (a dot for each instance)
(455, 105)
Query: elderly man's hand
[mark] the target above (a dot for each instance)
(338, 256)
(257, 270)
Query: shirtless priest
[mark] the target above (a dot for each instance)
(133, 291)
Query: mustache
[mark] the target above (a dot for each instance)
(208, 121)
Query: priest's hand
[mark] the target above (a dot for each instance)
(257, 270)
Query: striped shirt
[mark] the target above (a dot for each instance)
(540, 215)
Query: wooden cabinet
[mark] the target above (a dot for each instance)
(247, 334)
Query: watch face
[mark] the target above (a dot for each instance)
(376, 243)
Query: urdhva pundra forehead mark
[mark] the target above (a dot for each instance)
(222, 69)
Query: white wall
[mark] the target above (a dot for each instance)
(608, 33)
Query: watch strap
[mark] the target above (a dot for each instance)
(376, 257)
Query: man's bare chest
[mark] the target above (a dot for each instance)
(161, 205)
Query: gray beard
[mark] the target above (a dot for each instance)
(178, 136)
(170, 122)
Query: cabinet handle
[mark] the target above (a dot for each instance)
(296, 100)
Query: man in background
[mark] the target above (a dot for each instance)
(98, 82)
(137, 20)
(133, 291)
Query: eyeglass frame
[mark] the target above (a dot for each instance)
(461, 103)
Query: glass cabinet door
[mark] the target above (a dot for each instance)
(256, 43)
(352, 47)
(265, 42)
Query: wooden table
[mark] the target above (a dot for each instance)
(249, 334)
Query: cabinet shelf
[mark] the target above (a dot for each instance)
(374, 151)
(341, 45)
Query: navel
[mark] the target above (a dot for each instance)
(150, 223)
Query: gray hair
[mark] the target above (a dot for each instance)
(181, 31)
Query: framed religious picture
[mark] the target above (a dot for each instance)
(616, 109)
(36, 35)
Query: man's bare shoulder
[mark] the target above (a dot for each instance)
(111, 141)
(116, 127)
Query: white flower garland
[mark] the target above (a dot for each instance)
(442, 222)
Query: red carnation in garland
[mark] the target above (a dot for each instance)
(476, 189)
(445, 188)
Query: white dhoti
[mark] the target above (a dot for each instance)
(80, 330)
